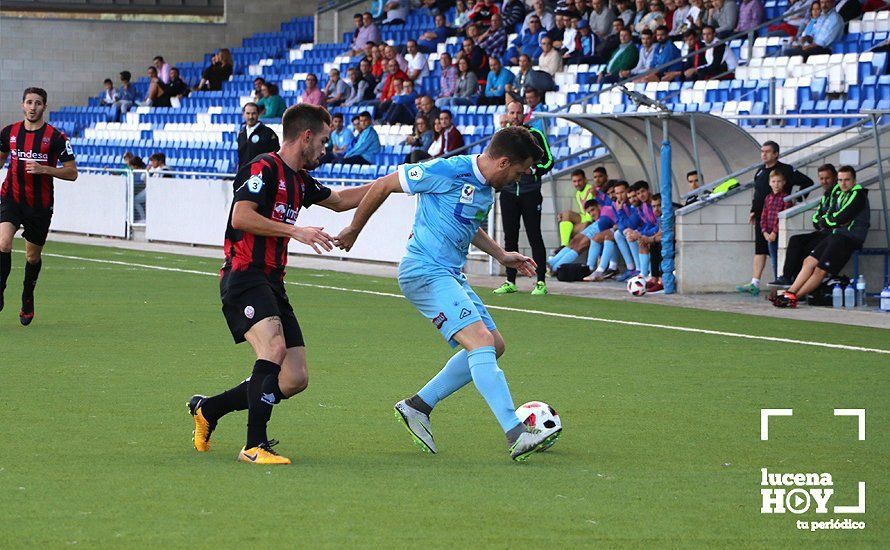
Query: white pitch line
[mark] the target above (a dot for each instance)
(513, 309)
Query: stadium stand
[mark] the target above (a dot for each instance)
(200, 135)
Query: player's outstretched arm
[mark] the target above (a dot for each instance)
(346, 199)
(523, 264)
(246, 218)
(374, 197)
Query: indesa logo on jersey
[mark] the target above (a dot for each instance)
(284, 213)
(30, 155)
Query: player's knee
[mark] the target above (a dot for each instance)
(32, 256)
(499, 346)
(294, 385)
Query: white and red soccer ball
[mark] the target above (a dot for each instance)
(636, 286)
(540, 415)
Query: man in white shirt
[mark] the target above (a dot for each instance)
(418, 67)
(546, 18)
(647, 53)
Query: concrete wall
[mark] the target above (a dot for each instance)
(71, 58)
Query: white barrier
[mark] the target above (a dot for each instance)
(195, 212)
(95, 204)
(187, 211)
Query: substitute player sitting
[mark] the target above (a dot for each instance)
(271, 190)
(456, 195)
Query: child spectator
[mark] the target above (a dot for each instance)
(108, 95)
(769, 218)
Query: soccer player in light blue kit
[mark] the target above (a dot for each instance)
(456, 195)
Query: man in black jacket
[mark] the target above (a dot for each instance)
(255, 138)
(769, 154)
(523, 200)
(847, 221)
(799, 246)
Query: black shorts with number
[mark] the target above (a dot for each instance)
(250, 296)
(833, 252)
(35, 220)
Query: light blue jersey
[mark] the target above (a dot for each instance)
(454, 203)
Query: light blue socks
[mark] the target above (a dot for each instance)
(453, 376)
(593, 253)
(492, 384)
(623, 247)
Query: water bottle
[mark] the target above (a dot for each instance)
(837, 296)
(849, 296)
(885, 300)
(860, 291)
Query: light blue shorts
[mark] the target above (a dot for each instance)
(442, 296)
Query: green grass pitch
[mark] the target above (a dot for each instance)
(661, 445)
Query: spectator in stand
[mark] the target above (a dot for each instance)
(665, 52)
(527, 43)
(163, 68)
(336, 90)
(641, 8)
(389, 53)
(533, 100)
(848, 10)
(570, 37)
(366, 146)
(126, 96)
(367, 33)
(750, 15)
(582, 8)
(679, 23)
(430, 40)
(585, 46)
(271, 105)
(475, 56)
(513, 13)
(358, 88)
(539, 10)
(357, 21)
(108, 96)
(391, 84)
(340, 141)
(482, 13)
(801, 245)
(448, 78)
(625, 58)
(848, 220)
(669, 9)
(827, 30)
(176, 89)
(467, 90)
(461, 15)
(436, 148)
(154, 87)
(718, 60)
(401, 108)
(601, 18)
(366, 74)
(624, 11)
(691, 64)
(494, 41)
(496, 83)
(419, 141)
(723, 16)
(449, 138)
(377, 64)
(426, 108)
(312, 94)
(137, 166)
(693, 181)
(550, 61)
(769, 153)
(219, 71)
(645, 56)
(607, 47)
(157, 165)
(257, 88)
(769, 216)
(558, 32)
(653, 19)
(795, 18)
(529, 78)
(432, 8)
(418, 64)
(396, 12)
(255, 138)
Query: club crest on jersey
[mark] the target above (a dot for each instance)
(439, 320)
(282, 185)
(249, 312)
(284, 213)
(468, 193)
(415, 173)
(255, 138)
(254, 184)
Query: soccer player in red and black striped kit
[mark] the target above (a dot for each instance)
(270, 191)
(34, 149)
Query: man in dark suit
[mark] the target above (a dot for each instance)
(255, 138)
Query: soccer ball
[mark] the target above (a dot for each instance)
(636, 285)
(537, 414)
